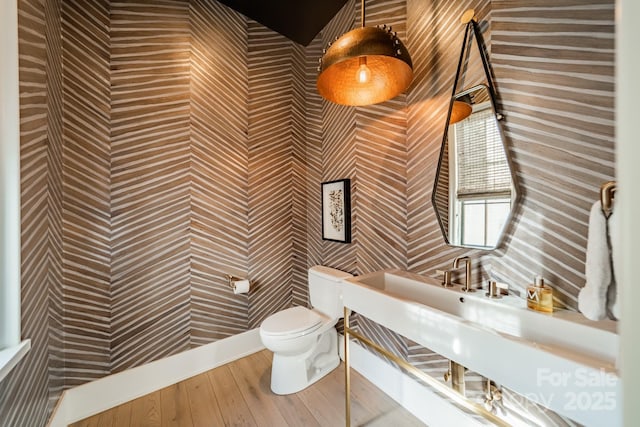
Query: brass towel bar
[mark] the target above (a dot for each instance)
(439, 387)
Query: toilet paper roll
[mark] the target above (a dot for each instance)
(240, 286)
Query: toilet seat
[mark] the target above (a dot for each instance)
(292, 322)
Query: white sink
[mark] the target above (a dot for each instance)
(561, 360)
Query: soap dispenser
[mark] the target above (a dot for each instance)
(540, 296)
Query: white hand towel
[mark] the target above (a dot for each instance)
(592, 299)
(613, 300)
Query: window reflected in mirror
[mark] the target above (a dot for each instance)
(474, 193)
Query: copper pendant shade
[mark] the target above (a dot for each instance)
(459, 111)
(365, 66)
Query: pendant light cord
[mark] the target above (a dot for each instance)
(362, 13)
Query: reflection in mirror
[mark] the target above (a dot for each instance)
(474, 192)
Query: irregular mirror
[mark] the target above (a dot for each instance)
(474, 193)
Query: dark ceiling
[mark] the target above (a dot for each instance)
(299, 20)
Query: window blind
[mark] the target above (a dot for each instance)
(483, 170)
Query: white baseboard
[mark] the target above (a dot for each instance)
(96, 396)
(421, 401)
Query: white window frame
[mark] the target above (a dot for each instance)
(485, 202)
(12, 349)
(455, 204)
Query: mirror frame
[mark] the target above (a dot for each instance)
(472, 25)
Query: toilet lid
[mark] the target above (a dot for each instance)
(291, 321)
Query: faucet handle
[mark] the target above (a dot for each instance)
(503, 288)
(497, 289)
(446, 278)
(493, 291)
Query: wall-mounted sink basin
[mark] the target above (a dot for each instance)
(561, 360)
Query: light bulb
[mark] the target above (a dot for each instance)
(364, 73)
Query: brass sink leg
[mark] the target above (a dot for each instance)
(493, 396)
(347, 370)
(456, 373)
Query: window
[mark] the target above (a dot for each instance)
(482, 220)
(481, 193)
(11, 349)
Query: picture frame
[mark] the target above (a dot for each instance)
(336, 210)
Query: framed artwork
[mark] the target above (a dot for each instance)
(336, 211)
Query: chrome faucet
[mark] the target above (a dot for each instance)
(467, 279)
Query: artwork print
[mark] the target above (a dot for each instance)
(336, 211)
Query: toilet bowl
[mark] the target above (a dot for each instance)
(304, 341)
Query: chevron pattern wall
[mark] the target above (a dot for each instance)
(85, 190)
(560, 99)
(164, 146)
(313, 156)
(54, 172)
(220, 155)
(150, 181)
(276, 170)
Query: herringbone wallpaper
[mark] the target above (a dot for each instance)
(276, 123)
(53, 172)
(150, 181)
(219, 154)
(86, 221)
(165, 145)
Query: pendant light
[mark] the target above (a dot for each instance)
(459, 111)
(365, 66)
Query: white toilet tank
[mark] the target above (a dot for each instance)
(325, 290)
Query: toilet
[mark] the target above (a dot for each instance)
(304, 341)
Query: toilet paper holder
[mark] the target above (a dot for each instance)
(230, 279)
(233, 281)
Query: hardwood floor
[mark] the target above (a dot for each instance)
(238, 394)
